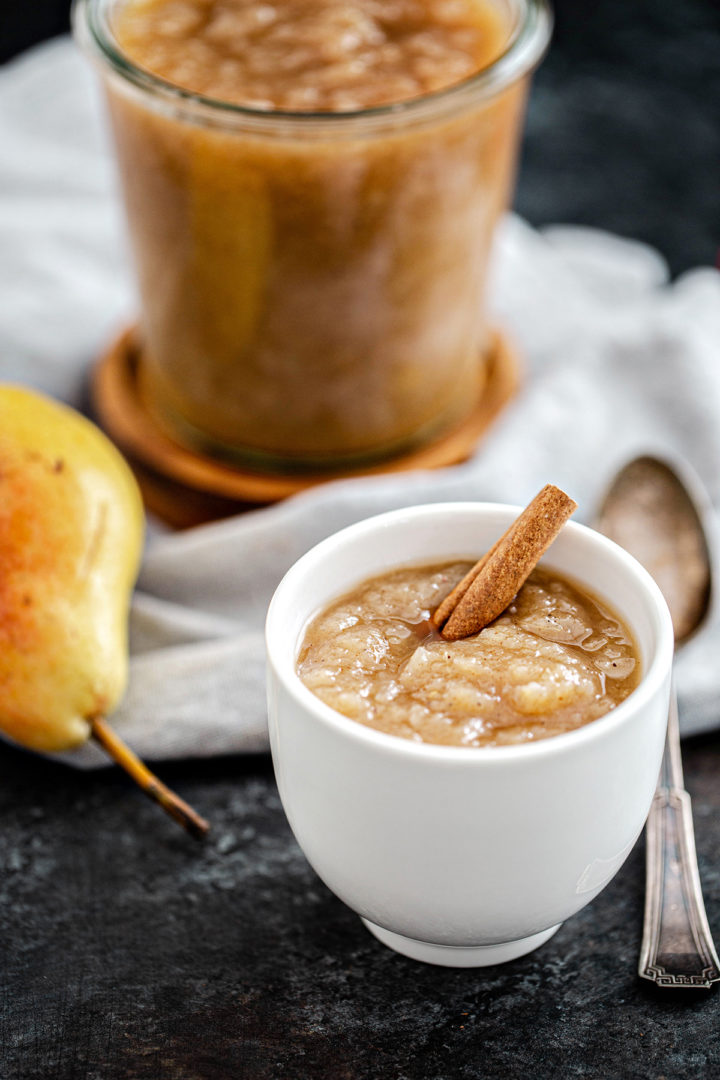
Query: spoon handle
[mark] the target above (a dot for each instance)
(677, 947)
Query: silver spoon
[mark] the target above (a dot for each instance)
(656, 515)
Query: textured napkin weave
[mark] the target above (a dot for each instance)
(618, 362)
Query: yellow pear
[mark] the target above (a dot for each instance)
(71, 536)
(71, 533)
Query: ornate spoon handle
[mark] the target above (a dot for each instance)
(677, 947)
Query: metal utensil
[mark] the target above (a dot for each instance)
(654, 511)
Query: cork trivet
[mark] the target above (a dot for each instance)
(186, 487)
(492, 583)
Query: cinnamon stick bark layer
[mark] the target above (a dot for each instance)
(492, 583)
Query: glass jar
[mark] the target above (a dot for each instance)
(312, 284)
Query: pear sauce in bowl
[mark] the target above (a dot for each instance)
(556, 659)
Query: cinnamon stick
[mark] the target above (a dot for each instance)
(492, 583)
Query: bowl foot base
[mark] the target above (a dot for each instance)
(460, 956)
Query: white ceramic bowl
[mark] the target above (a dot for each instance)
(454, 855)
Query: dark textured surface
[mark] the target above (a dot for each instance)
(624, 125)
(133, 953)
(128, 952)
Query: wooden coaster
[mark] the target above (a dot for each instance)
(185, 488)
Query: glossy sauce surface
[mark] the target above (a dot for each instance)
(555, 660)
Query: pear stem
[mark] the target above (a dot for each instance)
(171, 803)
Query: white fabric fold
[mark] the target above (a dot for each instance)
(618, 361)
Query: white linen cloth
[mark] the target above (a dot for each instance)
(618, 361)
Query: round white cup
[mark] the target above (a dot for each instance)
(452, 855)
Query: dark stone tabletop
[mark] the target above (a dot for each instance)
(130, 952)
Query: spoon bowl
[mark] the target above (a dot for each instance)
(657, 512)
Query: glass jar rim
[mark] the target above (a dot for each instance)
(525, 47)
